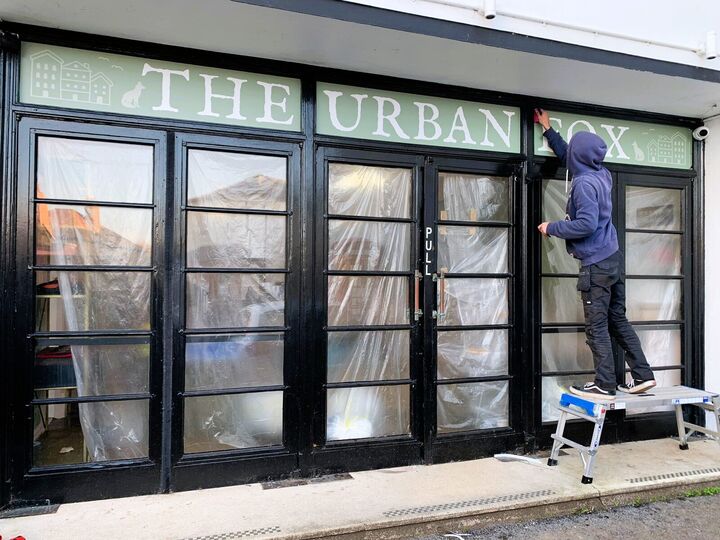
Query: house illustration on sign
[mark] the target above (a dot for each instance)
(666, 149)
(74, 81)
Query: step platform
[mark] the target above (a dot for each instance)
(595, 410)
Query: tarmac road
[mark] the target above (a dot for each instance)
(678, 519)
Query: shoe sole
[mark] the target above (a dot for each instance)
(589, 395)
(639, 389)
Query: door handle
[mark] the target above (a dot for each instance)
(440, 313)
(418, 312)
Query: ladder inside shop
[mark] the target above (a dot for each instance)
(595, 410)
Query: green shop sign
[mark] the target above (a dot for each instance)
(362, 113)
(89, 80)
(635, 143)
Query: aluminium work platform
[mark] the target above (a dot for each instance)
(595, 410)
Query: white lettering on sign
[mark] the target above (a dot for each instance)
(391, 118)
(423, 121)
(333, 104)
(490, 119)
(165, 85)
(269, 103)
(235, 97)
(614, 133)
(428, 249)
(459, 122)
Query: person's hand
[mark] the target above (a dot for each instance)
(543, 228)
(543, 119)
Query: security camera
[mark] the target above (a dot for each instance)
(710, 50)
(489, 9)
(701, 133)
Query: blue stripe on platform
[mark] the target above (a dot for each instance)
(569, 399)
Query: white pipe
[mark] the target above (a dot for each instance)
(478, 6)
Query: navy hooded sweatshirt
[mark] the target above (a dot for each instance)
(589, 233)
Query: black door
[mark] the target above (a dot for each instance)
(413, 298)
(90, 269)
(235, 314)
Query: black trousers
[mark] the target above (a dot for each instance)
(602, 288)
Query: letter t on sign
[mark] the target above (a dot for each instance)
(166, 73)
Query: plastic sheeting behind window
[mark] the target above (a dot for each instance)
(553, 388)
(662, 347)
(236, 180)
(368, 245)
(235, 300)
(227, 422)
(561, 301)
(653, 208)
(653, 254)
(216, 240)
(466, 197)
(654, 299)
(472, 353)
(233, 361)
(367, 300)
(85, 170)
(467, 250)
(566, 351)
(368, 411)
(360, 190)
(368, 356)
(471, 301)
(468, 406)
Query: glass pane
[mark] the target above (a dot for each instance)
(214, 423)
(468, 197)
(470, 301)
(653, 254)
(654, 299)
(467, 250)
(217, 240)
(664, 379)
(368, 356)
(555, 258)
(566, 351)
(561, 301)
(653, 208)
(472, 353)
(360, 190)
(92, 235)
(92, 370)
(661, 347)
(235, 300)
(368, 245)
(468, 406)
(233, 361)
(369, 411)
(553, 388)
(554, 200)
(235, 180)
(85, 170)
(367, 300)
(78, 301)
(70, 433)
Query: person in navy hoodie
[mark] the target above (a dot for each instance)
(590, 237)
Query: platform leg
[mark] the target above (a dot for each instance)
(593, 448)
(557, 445)
(682, 434)
(716, 407)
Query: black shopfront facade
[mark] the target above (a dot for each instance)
(303, 271)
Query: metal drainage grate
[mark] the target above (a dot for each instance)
(466, 504)
(303, 481)
(28, 508)
(669, 476)
(237, 534)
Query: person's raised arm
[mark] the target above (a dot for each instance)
(555, 140)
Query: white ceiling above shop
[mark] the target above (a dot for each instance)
(237, 28)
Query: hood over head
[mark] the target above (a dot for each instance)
(586, 152)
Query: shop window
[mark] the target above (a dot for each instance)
(92, 274)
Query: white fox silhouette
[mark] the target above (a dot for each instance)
(131, 98)
(639, 154)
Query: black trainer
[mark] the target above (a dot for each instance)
(592, 391)
(637, 386)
